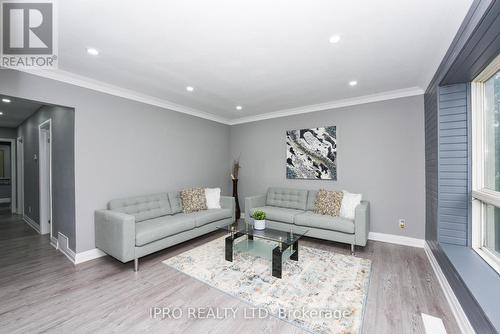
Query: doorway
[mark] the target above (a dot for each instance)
(45, 173)
(8, 189)
(20, 176)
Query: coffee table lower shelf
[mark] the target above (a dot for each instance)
(279, 252)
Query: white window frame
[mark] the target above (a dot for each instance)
(481, 196)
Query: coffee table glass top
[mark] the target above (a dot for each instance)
(287, 237)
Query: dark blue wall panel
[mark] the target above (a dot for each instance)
(453, 165)
(447, 153)
(431, 165)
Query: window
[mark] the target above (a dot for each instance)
(486, 164)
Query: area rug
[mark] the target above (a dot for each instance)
(324, 292)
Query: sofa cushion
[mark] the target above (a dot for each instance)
(287, 198)
(311, 199)
(143, 207)
(155, 229)
(174, 197)
(209, 216)
(325, 222)
(282, 215)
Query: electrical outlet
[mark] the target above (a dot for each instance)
(402, 223)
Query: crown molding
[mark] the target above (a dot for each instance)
(85, 82)
(389, 95)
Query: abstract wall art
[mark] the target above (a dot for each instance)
(312, 153)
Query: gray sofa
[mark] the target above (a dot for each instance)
(138, 226)
(294, 208)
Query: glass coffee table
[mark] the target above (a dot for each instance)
(269, 243)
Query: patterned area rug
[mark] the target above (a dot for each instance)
(323, 292)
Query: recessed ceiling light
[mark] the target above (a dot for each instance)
(189, 88)
(353, 83)
(239, 107)
(5, 100)
(334, 39)
(92, 51)
(1, 113)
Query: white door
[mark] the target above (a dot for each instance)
(45, 179)
(20, 176)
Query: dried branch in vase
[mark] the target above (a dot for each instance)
(236, 169)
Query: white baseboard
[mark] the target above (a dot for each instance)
(31, 223)
(390, 238)
(77, 258)
(63, 246)
(396, 239)
(88, 255)
(54, 242)
(456, 308)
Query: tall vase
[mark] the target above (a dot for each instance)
(235, 195)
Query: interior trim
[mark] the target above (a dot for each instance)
(102, 87)
(31, 223)
(77, 258)
(389, 95)
(88, 255)
(63, 247)
(54, 242)
(396, 239)
(457, 310)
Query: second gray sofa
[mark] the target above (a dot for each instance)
(137, 226)
(294, 209)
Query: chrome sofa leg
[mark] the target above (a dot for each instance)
(136, 264)
(353, 247)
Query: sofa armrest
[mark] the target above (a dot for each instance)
(115, 234)
(228, 202)
(253, 202)
(362, 223)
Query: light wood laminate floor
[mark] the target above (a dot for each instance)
(41, 291)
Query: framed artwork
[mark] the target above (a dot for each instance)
(312, 153)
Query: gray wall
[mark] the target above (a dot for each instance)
(125, 148)
(380, 154)
(9, 133)
(63, 168)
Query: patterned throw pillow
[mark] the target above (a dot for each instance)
(193, 200)
(328, 202)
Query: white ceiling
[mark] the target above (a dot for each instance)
(268, 56)
(15, 112)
